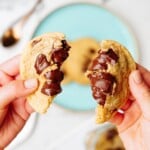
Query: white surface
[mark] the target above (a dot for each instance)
(59, 122)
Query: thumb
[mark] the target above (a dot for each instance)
(16, 89)
(140, 91)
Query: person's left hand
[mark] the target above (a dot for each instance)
(14, 109)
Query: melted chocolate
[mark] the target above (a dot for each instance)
(41, 63)
(102, 82)
(96, 65)
(49, 88)
(104, 58)
(58, 56)
(54, 75)
(65, 45)
(98, 79)
(100, 97)
(108, 57)
(104, 85)
(52, 86)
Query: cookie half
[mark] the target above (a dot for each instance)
(108, 74)
(42, 59)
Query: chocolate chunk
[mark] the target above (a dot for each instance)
(101, 62)
(97, 66)
(104, 85)
(65, 45)
(99, 96)
(34, 42)
(58, 56)
(41, 63)
(111, 134)
(101, 100)
(95, 77)
(50, 88)
(106, 76)
(108, 57)
(54, 75)
(105, 82)
(112, 55)
(92, 50)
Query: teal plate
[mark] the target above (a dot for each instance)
(85, 20)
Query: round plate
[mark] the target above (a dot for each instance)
(85, 20)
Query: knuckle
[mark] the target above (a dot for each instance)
(15, 88)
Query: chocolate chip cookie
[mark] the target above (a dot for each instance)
(42, 59)
(106, 138)
(108, 76)
(109, 140)
(82, 51)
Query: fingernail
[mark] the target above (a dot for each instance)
(137, 77)
(31, 83)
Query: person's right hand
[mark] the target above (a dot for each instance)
(134, 124)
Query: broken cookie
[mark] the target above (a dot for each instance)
(42, 59)
(108, 76)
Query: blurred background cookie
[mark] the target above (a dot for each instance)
(82, 51)
(67, 78)
(107, 139)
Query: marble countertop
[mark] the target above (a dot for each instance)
(59, 122)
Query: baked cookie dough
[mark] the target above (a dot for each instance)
(108, 76)
(108, 139)
(42, 59)
(82, 51)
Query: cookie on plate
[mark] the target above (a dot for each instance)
(108, 76)
(42, 59)
(82, 51)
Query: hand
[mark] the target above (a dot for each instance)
(14, 109)
(134, 124)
